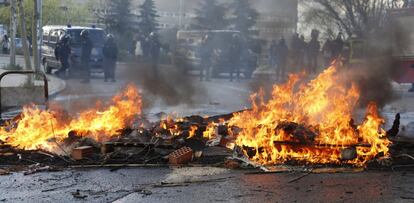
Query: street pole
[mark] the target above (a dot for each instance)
(13, 28)
(40, 32)
(35, 35)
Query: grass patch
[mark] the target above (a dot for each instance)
(11, 67)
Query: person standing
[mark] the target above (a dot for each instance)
(235, 53)
(302, 51)
(313, 51)
(62, 53)
(154, 48)
(338, 46)
(205, 52)
(282, 52)
(272, 54)
(110, 52)
(327, 52)
(86, 49)
(295, 50)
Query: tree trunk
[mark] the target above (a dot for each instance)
(13, 28)
(35, 33)
(26, 51)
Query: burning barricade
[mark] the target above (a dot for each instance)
(302, 124)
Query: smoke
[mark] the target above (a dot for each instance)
(374, 79)
(171, 84)
(374, 76)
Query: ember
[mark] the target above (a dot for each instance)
(318, 116)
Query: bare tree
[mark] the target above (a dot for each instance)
(354, 17)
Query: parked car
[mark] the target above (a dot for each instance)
(51, 36)
(19, 45)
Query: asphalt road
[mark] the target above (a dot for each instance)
(205, 185)
(172, 93)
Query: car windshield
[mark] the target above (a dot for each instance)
(97, 36)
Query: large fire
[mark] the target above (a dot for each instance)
(324, 108)
(38, 128)
(306, 122)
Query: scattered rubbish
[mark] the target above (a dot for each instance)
(4, 172)
(198, 154)
(300, 177)
(58, 188)
(405, 197)
(78, 195)
(144, 192)
(36, 168)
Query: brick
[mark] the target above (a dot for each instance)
(80, 153)
(181, 156)
(231, 164)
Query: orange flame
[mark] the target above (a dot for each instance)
(37, 127)
(324, 106)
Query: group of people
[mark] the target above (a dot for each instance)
(303, 55)
(210, 55)
(147, 48)
(110, 53)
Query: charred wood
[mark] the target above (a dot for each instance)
(298, 132)
(395, 127)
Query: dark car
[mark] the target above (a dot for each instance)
(51, 36)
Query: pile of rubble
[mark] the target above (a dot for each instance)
(167, 142)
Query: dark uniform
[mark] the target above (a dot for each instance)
(110, 52)
(235, 53)
(313, 52)
(272, 54)
(282, 53)
(62, 53)
(86, 54)
(206, 52)
(154, 48)
(338, 46)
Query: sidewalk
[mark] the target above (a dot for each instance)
(56, 84)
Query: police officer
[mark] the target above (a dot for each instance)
(155, 46)
(86, 48)
(235, 53)
(282, 53)
(205, 52)
(313, 49)
(110, 52)
(62, 53)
